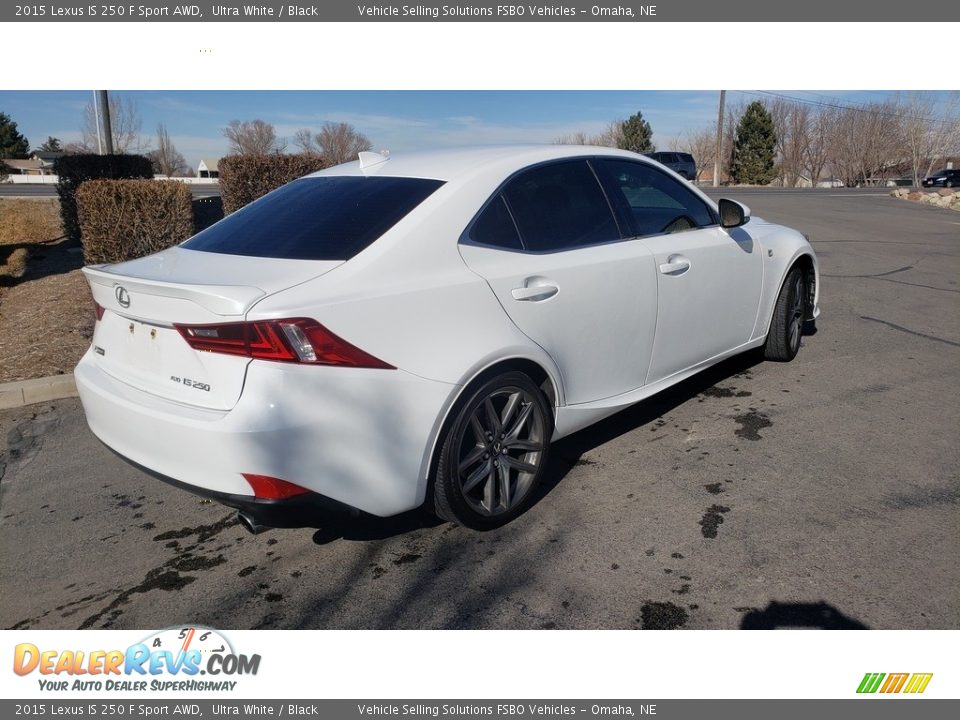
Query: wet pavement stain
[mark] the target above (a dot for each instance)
(203, 532)
(714, 488)
(406, 558)
(156, 579)
(723, 392)
(712, 519)
(751, 423)
(663, 616)
(246, 571)
(192, 564)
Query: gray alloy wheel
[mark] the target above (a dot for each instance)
(493, 454)
(789, 315)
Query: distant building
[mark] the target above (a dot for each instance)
(208, 168)
(39, 163)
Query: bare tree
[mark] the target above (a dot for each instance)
(610, 136)
(791, 120)
(253, 137)
(864, 142)
(702, 144)
(166, 159)
(337, 142)
(125, 125)
(577, 138)
(816, 150)
(928, 137)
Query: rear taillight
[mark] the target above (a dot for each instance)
(298, 340)
(98, 310)
(270, 488)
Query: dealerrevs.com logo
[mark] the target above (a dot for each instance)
(885, 683)
(171, 659)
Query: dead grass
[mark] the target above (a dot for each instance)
(46, 317)
(28, 221)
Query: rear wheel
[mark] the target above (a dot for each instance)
(789, 314)
(493, 453)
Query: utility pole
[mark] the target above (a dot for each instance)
(96, 118)
(716, 161)
(105, 122)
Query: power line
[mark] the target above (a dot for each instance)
(838, 105)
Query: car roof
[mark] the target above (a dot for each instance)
(455, 163)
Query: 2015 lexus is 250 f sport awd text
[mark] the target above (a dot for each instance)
(390, 333)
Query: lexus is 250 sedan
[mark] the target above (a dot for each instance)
(417, 330)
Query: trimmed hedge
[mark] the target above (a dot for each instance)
(125, 219)
(244, 178)
(75, 169)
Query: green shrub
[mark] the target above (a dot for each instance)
(125, 219)
(75, 169)
(244, 178)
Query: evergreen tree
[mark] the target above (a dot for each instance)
(51, 145)
(636, 135)
(754, 147)
(12, 143)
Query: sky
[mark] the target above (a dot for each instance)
(393, 120)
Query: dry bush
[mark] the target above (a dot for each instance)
(72, 170)
(244, 178)
(29, 221)
(125, 219)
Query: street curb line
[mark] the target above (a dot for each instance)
(27, 392)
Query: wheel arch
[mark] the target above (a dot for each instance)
(546, 379)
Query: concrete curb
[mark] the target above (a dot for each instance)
(26, 392)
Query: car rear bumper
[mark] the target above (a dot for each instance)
(358, 437)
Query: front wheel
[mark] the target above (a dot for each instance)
(789, 314)
(493, 453)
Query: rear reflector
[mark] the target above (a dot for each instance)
(98, 309)
(297, 340)
(271, 488)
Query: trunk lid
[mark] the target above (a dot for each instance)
(136, 342)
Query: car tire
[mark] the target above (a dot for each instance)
(948, 183)
(493, 453)
(789, 315)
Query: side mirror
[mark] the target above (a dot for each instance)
(732, 213)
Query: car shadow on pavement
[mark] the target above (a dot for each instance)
(799, 615)
(566, 453)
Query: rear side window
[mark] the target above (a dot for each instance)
(560, 206)
(494, 226)
(685, 157)
(656, 202)
(322, 218)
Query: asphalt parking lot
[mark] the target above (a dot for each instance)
(820, 493)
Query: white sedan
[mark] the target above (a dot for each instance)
(417, 330)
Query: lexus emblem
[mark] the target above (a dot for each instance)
(123, 297)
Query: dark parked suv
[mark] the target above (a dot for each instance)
(680, 163)
(943, 178)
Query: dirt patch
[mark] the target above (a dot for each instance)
(46, 316)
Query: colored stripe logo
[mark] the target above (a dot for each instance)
(894, 683)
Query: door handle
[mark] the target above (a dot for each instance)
(675, 265)
(535, 293)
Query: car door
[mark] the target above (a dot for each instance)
(550, 248)
(708, 279)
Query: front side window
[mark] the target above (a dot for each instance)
(319, 218)
(560, 206)
(655, 202)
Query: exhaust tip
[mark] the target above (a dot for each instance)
(250, 524)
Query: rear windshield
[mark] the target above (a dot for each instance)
(322, 218)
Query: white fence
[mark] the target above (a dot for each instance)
(52, 180)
